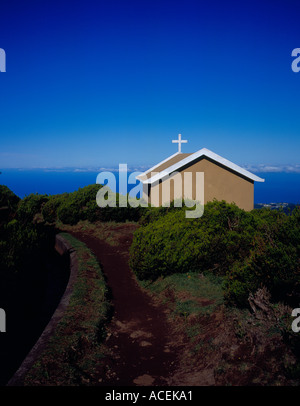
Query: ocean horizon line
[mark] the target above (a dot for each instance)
(278, 186)
(77, 169)
(256, 168)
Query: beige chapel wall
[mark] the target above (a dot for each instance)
(219, 183)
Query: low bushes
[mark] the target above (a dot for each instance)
(250, 249)
(30, 206)
(8, 204)
(272, 261)
(24, 250)
(8, 198)
(174, 244)
(22, 243)
(69, 208)
(49, 210)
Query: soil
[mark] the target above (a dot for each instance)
(141, 350)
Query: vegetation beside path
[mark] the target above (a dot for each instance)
(75, 351)
(225, 345)
(228, 280)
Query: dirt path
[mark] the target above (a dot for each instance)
(139, 335)
(145, 349)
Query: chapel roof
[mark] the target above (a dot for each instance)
(179, 160)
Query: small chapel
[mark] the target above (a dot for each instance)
(220, 180)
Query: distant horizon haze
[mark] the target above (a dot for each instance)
(279, 187)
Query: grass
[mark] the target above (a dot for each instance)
(190, 293)
(230, 340)
(74, 353)
(191, 299)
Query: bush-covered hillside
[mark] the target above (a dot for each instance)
(250, 249)
(26, 232)
(23, 245)
(69, 208)
(199, 265)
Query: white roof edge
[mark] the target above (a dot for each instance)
(202, 152)
(155, 166)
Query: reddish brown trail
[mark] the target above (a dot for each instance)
(139, 335)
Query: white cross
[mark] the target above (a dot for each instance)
(179, 142)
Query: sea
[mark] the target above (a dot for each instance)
(279, 187)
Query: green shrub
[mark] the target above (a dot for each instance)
(49, 210)
(273, 261)
(30, 206)
(8, 198)
(90, 211)
(69, 208)
(81, 205)
(174, 244)
(86, 194)
(68, 212)
(8, 205)
(21, 241)
(150, 214)
(251, 249)
(72, 207)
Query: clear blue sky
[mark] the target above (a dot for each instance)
(98, 83)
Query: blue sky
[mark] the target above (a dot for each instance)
(98, 83)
